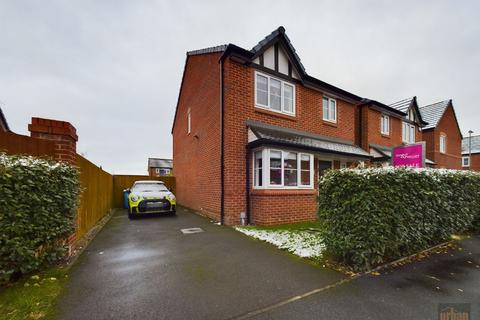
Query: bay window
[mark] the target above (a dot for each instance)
(274, 94)
(282, 169)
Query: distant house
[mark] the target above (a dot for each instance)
(442, 134)
(159, 167)
(472, 148)
(3, 122)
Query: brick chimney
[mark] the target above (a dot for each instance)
(62, 133)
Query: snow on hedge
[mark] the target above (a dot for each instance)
(300, 243)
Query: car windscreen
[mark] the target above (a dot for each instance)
(149, 187)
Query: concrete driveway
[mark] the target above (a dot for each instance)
(148, 269)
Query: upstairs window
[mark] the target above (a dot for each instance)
(329, 109)
(465, 161)
(408, 133)
(443, 143)
(385, 124)
(274, 94)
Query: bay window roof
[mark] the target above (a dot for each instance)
(265, 134)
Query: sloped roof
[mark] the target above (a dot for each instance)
(270, 134)
(219, 48)
(433, 113)
(3, 122)
(475, 145)
(160, 163)
(403, 105)
(266, 42)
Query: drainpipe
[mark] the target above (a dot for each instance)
(222, 143)
(247, 181)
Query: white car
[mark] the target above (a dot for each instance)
(150, 196)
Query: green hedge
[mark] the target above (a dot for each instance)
(38, 201)
(372, 216)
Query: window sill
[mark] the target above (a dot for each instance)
(276, 114)
(282, 192)
(330, 123)
(385, 135)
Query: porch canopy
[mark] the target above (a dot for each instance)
(261, 134)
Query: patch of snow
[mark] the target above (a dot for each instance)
(300, 243)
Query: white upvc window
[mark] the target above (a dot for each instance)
(408, 133)
(443, 143)
(465, 161)
(329, 109)
(343, 165)
(274, 94)
(282, 169)
(189, 121)
(385, 124)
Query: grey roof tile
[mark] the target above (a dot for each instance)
(402, 105)
(160, 163)
(475, 145)
(3, 121)
(301, 139)
(219, 48)
(433, 113)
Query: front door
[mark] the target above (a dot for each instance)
(323, 166)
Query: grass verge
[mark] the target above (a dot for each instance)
(34, 296)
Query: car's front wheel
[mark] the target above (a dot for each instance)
(131, 216)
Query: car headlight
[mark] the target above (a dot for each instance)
(134, 198)
(171, 197)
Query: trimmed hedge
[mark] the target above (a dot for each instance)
(372, 216)
(38, 200)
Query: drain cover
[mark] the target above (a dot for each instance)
(191, 230)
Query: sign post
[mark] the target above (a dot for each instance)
(412, 155)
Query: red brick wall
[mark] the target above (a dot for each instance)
(474, 162)
(373, 133)
(240, 106)
(196, 156)
(448, 126)
(62, 133)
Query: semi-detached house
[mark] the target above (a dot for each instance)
(253, 132)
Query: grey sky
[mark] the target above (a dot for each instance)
(113, 68)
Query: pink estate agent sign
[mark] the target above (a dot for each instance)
(408, 156)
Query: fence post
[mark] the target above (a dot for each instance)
(62, 133)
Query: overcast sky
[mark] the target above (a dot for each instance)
(113, 68)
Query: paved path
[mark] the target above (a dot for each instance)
(148, 269)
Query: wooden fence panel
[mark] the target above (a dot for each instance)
(121, 182)
(96, 198)
(13, 143)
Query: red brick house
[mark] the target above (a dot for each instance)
(442, 135)
(471, 153)
(384, 127)
(253, 132)
(158, 167)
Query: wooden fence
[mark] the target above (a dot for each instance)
(97, 195)
(121, 182)
(13, 143)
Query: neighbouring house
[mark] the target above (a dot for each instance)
(382, 127)
(253, 132)
(159, 167)
(471, 153)
(3, 123)
(442, 135)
